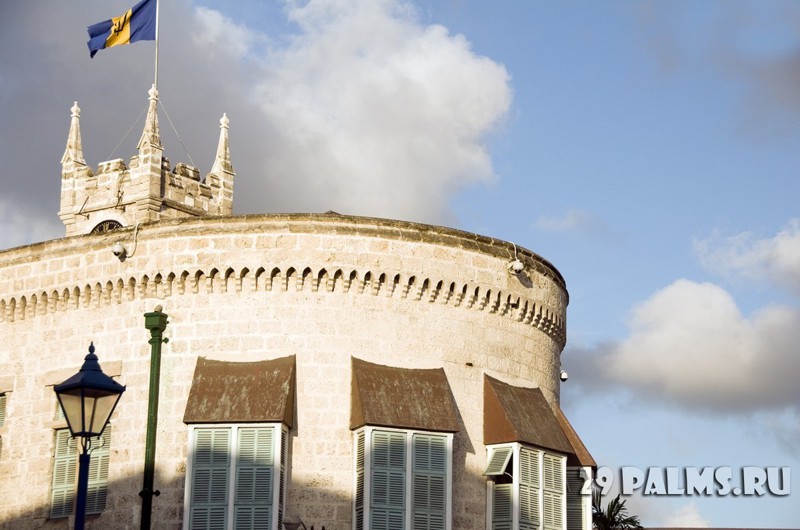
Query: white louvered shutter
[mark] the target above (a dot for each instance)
(359, 499)
(2, 419)
(554, 486)
(498, 460)
(64, 474)
(575, 501)
(97, 489)
(429, 496)
(502, 507)
(255, 477)
(282, 477)
(529, 490)
(387, 490)
(210, 468)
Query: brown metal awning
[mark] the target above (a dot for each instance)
(405, 398)
(519, 414)
(232, 392)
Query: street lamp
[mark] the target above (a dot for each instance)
(88, 399)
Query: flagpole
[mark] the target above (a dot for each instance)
(155, 83)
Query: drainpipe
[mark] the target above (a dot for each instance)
(156, 322)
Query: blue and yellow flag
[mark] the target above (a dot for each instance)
(138, 23)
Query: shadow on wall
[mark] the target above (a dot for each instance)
(123, 512)
(315, 506)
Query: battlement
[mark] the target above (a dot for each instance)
(145, 190)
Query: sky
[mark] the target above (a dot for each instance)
(649, 150)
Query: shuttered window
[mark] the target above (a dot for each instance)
(210, 470)
(498, 460)
(236, 478)
(358, 516)
(387, 506)
(402, 480)
(578, 504)
(502, 507)
(527, 488)
(429, 476)
(2, 418)
(65, 473)
(553, 491)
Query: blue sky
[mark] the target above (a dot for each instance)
(649, 150)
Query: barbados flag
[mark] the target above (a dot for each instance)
(138, 23)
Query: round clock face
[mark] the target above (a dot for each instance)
(106, 226)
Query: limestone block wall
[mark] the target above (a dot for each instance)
(140, 193)
(324, 288)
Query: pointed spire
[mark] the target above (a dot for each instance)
(150, 135)
(222, 162)
(74, 151)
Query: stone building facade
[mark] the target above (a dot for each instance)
(340, 338)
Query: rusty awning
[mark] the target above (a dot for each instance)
(242, 392)
(519, 414)
(405, 398)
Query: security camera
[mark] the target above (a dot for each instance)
(516, 266)
(119, 250)
(564, 376)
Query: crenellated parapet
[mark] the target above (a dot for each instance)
(146, 189)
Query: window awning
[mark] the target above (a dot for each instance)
(404, 398)
(249, 392)
(519, 414)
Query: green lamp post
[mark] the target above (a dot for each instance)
(88, 399)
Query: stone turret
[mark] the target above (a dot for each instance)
(146, 189)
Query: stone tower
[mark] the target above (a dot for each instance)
(146, 189)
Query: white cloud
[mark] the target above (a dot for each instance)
(775, 259)
(690, 345)
(216, 33)
(374, 113)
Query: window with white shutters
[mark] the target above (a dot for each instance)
(236, 477)
(429, 473)
(553, 491)
(65, 473)
(579, 516)
(2, 419)
(402, 480)
(526, 488)
(502, 507)
(529, 511)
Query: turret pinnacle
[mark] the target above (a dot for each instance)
(222, 162)
(151, 136)
(73, 154)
